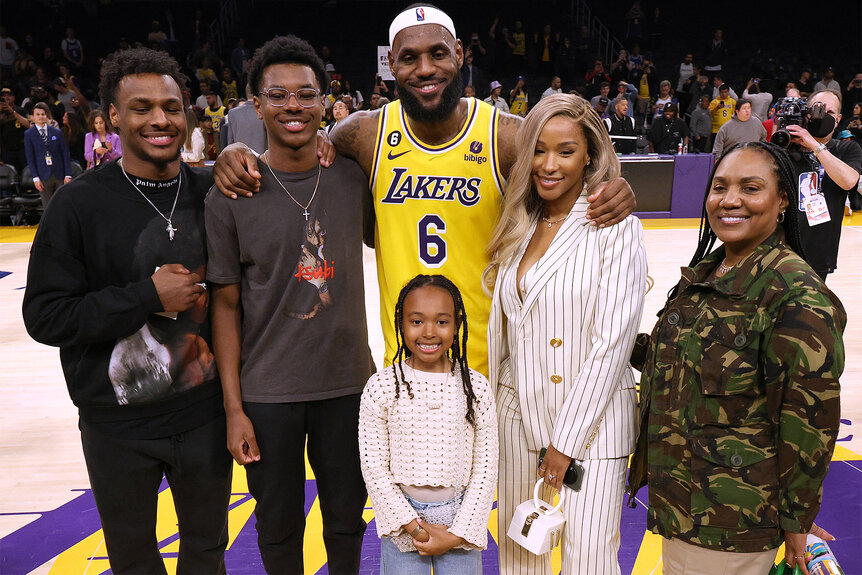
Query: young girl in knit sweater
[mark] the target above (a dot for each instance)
(428, 439)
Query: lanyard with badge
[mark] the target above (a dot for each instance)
(812, 201)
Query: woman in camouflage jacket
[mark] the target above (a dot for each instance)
(739, 403)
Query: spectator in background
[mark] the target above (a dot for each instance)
(64, 94)
(635, 63)
(8, 52)
(854, 122)
(604, 90)
(157, 39)
(192, 151)
(700, 125)
(215, 111)
(665, 97)
(49, 60)
(717, 83)
(101, 144)
(554, 88)
(519, 48)
(804, 84)
(47, 154)
(620, 67)
(684, 71)
(72, 49)
(352, 95)
(852, 94)
(595, 77)
(620, 123)
(477, 49)
(647, 89)
(741, 129)
(566, 59)
(495, 100)
(239, 59)
(471, 74)
(518, 99)
(13, 124)
(630, 93)
(245, 126)
(205, 72)
(721, 109)
(601, 107)
(828, 82)
(211, 139)
(545, 45)
(228, 84)
(668, 133)
(635, 23)
(73, 133)
(716, 53)
(205, 88)
(760, 101)
(340, 111)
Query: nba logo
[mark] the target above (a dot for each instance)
(420, 14)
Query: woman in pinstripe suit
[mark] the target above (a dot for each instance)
(567, 300)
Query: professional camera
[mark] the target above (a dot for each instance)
(795, 111)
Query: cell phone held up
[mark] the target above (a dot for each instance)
(574, 474)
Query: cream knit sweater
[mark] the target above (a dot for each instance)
(428, 441)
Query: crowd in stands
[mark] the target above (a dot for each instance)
(699, 103)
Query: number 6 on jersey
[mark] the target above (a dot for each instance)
(432, 247)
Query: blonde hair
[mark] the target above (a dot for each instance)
(521, 203)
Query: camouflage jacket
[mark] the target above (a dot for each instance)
(739, 405)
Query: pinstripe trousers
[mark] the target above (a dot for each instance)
(591, 538)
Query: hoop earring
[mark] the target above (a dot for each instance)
(780, 217)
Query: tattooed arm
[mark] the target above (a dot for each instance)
(355, 137)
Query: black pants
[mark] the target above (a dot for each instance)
(125, 475)
(277, 481)
(49, 186)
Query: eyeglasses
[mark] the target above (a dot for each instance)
(278, 97)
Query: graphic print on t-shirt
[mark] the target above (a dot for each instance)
(314, 268)
(167, 355)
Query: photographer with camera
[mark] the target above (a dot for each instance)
(852, 94)
(830, 170)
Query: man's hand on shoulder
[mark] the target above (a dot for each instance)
(610, 203)
(236, 171)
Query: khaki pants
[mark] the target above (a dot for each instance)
(681, 558)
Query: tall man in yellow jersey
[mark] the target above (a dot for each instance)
(436, 163)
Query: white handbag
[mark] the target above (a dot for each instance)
(536, 526)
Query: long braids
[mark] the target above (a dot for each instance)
(786, 173)
(458, 351)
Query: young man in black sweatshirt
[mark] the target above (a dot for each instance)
(115, 281)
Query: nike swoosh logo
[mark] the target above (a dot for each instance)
(392, 156)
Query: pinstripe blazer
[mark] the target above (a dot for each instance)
(565, 348)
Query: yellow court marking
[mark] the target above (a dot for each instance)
(17, 235)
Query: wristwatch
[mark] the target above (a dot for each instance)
(819, 149)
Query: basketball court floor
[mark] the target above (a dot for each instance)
(48, 521)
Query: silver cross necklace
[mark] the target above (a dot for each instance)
(314, 193)
(170, 229)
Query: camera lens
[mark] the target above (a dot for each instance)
(781, 138)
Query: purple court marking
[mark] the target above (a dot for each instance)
(57, 530)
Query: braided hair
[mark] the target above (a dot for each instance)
(786, 172)
(458, 351)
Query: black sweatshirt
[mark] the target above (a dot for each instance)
(131, 373)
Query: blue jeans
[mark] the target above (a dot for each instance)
(453, 562)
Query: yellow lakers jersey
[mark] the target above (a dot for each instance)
(436, 207)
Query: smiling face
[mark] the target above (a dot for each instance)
(429, 327)
(148, 113)
(744, 201)
(425, 61)
(291, 125)
(559, 160)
